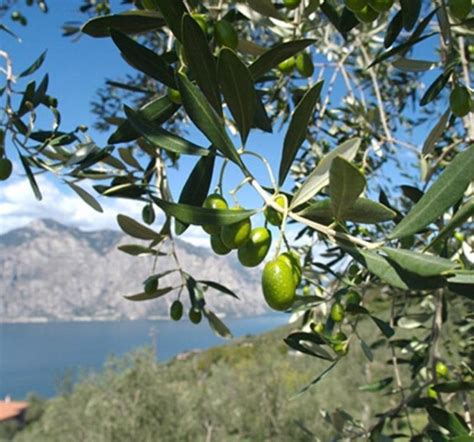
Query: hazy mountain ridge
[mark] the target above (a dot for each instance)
(51, 271)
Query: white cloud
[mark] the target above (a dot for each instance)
(19, 207)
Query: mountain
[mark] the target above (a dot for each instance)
(55, 272)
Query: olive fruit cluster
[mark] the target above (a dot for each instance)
(252, 245)
(339, 340)
(367, 11)
(302, 62)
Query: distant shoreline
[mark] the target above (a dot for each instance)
(45, 320)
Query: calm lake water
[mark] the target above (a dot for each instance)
(36, 357)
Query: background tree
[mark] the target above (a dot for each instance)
(346, 83)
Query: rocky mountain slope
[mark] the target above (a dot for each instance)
(51, 271)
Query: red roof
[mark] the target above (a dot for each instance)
(11, 409)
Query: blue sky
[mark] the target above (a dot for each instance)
(77, 70)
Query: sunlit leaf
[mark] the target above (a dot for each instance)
(445, 192)
(297, 129)
(136, 229)
(85, 196)
(319, 178)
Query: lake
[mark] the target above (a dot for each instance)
(37, 357)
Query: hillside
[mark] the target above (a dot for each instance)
(244, 391)
(49, 271)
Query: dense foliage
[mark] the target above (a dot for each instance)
(347, 83)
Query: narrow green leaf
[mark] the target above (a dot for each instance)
(27, 97)
(383, 326)
(297, 129)
(135, 229)
(436, 133)
(463, 214)
(31, 177)
(401, 48)
(173, 12)
(85, 196)
(130, 22)
(201, 61)
(266, 8)
(446, 191)
(157, 111)
(261, 120)
(217, 325)
(146, 297)
(394, 29)
(238, 89)
(200, 216)
(367, 351)
(196, 187)
(319, 378)
(420, 263)
(161, 138)
(144, 59)
(410, 12)
(377, 386)
(308, 343)
(126, 154)
(319, 178)
(436, 87)
(207, 120)
(136, 250)
(462, 277)
(219, 287)
(393, 274)
(454, 386)
(408, 65)
(274, 56)
(346, 183)
(449, 421)
(34, 66)
(363, 211)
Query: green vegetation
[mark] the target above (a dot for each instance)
(245, 391)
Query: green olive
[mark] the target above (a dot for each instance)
(235, 235)
(356, 5)
(381, 5)
(174, 95)
(460, 9)
(460, 101)
(319, 328)
(287, 66)
(151, 286)
(148, 214)
(176, 310)
(367, 15)
(271, 215)
(292, 260)
(214, 201)
(255, 249)
(304, 64)
(442, 370)
(6, 168)
(291, 4)
(340, 346)
(195, 316)
(278, 285)
(218, 246)
(337, 312)
(353, 298)
(226, 35)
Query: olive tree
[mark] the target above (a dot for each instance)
(352, 92)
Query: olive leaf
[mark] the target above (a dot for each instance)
(296, 133)
(445, 192)
(238, 89)
(319, 178)
(346, 183)
(129, 22)
(85, 196)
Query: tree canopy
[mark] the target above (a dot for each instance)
(375, 171)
